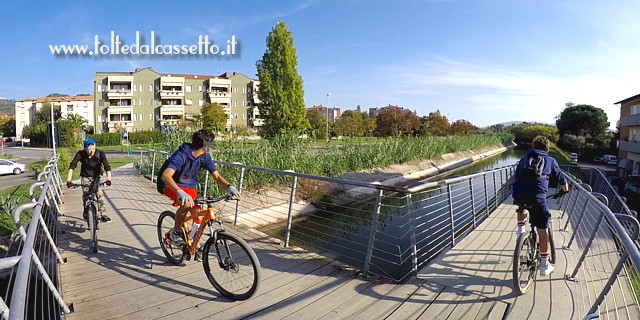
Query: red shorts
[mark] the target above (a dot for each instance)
(174, 196)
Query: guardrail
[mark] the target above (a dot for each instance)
(603, 259)
(34, 279)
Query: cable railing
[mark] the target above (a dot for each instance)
(33, 290)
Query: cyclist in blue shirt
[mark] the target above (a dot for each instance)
(529, 193)
(181, 177)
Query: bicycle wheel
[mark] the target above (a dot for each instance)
(524, 264)
(174, 253)
(231, 266)
(92, 219)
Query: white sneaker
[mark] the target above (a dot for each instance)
(546, 270)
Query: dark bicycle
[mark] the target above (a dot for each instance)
(90, 212)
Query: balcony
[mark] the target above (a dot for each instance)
(120, 94)
(168, 109)
(632, 120)
(171, 93)
(124, 109)
(630, 146)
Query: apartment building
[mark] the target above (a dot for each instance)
(374, 112)
(80, 105)
(629, 147)
(333, 114)
(147, 100)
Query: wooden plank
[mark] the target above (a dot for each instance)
(358, 303)
(387, 304)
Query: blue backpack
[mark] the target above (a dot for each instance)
(531, 167)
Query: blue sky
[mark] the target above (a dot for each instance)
(484, 61)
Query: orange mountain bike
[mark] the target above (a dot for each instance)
(228, 262)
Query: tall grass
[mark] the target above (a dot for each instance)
(291, 153)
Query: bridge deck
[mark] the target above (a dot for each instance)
(130, 278)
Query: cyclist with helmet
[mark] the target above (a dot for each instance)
(91, 161)
(180, 177)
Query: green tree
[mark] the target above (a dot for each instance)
(582, 120)
(435, 124)
(213, 117)
(8, 128)
(351, 123)
(69, 129)
(525, 132)
(280, 91)
(318, 123)
(394, 122)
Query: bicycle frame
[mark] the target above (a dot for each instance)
(207, 217)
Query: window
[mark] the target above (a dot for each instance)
(99, 118)
(134, 102)
(244, 115)
(151, 102)
(633, 134)
(70, 108)
(189, 102)
(141, 117)
(189, 88)
(243, 103)
(134, 117)
(243, 89)
(140, 101)
(150, 116)
(200, 102)
(134, 87)
(200, 88)
(150, 88)
(101, 103)
(235, 115)
(634, 109)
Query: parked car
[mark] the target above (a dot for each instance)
(574, 157)
(8, 167)
(597, 159)
(609, 159)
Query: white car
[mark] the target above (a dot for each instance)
(8, 166)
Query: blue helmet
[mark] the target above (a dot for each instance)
(88, 142)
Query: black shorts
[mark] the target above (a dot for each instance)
(538, 210)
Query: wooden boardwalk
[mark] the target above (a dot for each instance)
(129, 277)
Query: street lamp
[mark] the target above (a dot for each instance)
(53, 134)
(327, 132)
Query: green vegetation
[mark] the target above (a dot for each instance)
(280, 91)
(213, 117)
(291, 153)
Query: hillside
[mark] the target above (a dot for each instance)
(7, 107)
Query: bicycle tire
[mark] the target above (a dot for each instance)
(524, 264)
(174, 254)
(93, 226)
(237, 256)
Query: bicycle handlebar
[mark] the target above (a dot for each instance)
(212, 200)
(88, 185)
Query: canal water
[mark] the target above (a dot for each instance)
(344, 228)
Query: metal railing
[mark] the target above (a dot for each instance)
(34, 276)
(383, 230)
(602, 257)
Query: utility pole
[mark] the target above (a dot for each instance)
(327, 133)
(53, 133)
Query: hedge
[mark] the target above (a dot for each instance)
(142, 137)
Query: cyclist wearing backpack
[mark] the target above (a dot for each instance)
(91, 161)
(529, 193)
(179, 176)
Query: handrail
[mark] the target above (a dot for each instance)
(36, 240)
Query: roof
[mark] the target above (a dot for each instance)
(637, 96)
(58, 99)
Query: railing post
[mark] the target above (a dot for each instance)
(453, 229)
(292, 197)
(412, 235)
(495, 188)
(153, 165)
(235, 220)
(473, 203)
(372, 233)
(486, 196)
